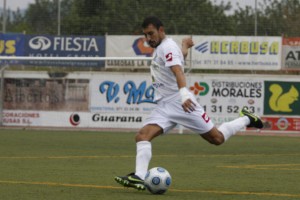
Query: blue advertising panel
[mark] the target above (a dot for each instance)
(65, 46)
(11, 44)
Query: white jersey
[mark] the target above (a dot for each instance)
(168, 111)
(167, 54)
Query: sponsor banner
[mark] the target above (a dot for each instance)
(65, 46)
(117, 120)
(291, 53)
(131, 46)
(282, 124)
(11, 45)
(239, 52)
(125, 93)
(282, 98)
(122, 100)
(223, 98)
(72, 119)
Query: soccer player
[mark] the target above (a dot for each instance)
(175, 104)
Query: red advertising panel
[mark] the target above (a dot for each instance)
(290, 124)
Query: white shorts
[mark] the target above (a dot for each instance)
(168, 114)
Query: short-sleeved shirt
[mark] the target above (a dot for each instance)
(167, 54)
(169, 112)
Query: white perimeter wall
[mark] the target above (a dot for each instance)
(124, 100)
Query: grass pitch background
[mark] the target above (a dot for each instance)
(61, 165)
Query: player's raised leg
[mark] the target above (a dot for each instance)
(221, 134)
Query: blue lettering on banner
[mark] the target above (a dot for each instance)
(111, 89)
(135, 94)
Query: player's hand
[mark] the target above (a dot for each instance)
(189, 106)
(187, 42)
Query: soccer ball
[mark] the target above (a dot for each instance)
(158, 180)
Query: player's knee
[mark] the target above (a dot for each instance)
(215, 138)
(147, 133)
(218, 141)
(141, 136)
(138, 137)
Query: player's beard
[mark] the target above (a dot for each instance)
(154, 44)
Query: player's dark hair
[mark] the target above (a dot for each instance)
(152, 20)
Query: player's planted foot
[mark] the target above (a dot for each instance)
(255, 120)
(131, 180)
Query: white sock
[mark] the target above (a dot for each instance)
(143, 157)
(229, 129)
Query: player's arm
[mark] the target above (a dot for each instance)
(187, 104)
(185, 45)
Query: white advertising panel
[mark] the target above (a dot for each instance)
(124, 100)
(25, 118)
(237, 52)
(131, 46)
(125, 93)
(291, 53)
(223, 96)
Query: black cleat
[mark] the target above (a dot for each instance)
(131, 180)
(255, 120)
